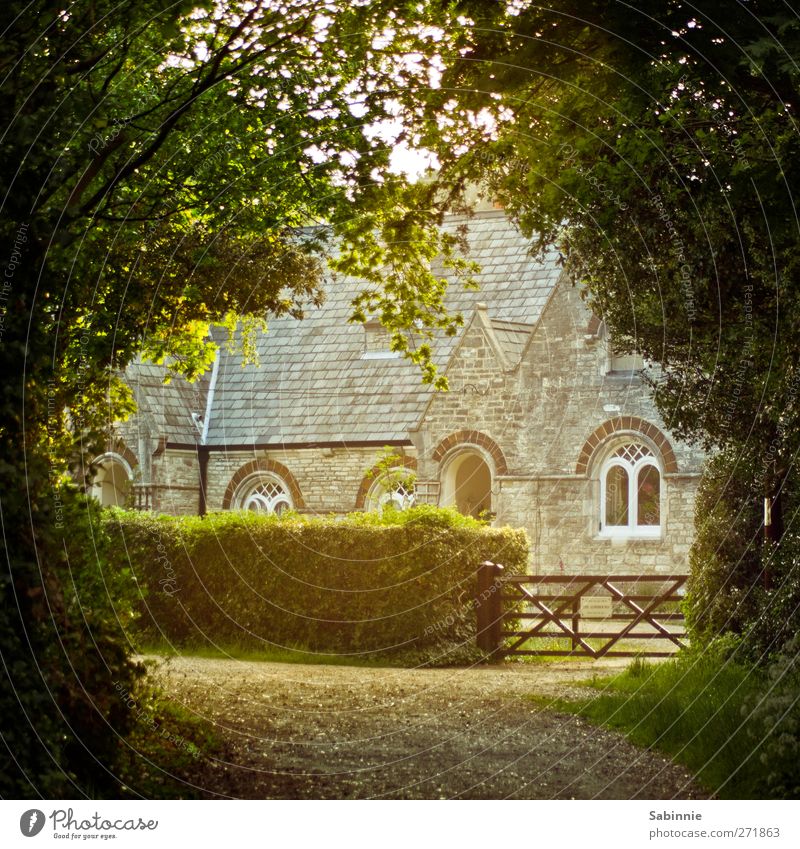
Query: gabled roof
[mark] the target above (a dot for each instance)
(313, 384)
(165, 409)
(513, 337)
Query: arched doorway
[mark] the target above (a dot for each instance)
(112, 483)
(467, 483)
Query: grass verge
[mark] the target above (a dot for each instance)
(697, 709)
(457, 656)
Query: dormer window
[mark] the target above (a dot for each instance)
(620, 362)
(377, 342)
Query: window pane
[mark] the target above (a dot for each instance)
(616, 496)
(649, 497)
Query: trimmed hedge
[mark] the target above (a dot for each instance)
(360, 585)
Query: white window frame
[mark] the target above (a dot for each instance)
(247, 494)
(610, 358)
(632, 530)
(380, 494)
(374, 330)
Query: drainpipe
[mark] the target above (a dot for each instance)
(202, 448)
(202, 459)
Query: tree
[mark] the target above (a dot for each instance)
(657, 145)
(166, 167)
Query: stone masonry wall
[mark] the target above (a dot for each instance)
(329, 479)
(541, 414)
(176, 475)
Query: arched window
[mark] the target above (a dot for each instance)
(396, 487)
(630, 492)
(265, 493)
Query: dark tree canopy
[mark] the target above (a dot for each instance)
(658, 145)
(163, 163)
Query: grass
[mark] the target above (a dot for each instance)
(692, 708)
(270, 654)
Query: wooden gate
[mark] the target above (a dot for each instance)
(579, 615)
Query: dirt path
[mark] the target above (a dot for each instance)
(297, 731)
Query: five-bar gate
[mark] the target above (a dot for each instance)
(579, 615)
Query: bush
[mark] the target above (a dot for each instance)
(61, 718)
(725, 558)
(777, 609)
(729, 561)
(361, 585)
(774, 719)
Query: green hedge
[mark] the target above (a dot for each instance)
(361, 585)
(728, 562)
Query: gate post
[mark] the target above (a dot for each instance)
(576, 622)
(489, 607)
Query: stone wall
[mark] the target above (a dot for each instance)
(552, 415)
(561, 519)
(329, 479)
(176, 478)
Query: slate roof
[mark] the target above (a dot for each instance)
(513, 337)
(165, 409)
(313, 384)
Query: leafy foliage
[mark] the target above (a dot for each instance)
(775, 715)
(737, 585)
(166, 167)
(360, 586)
(62, 672)
(658, 147)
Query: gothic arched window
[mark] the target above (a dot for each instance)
(630, 492)
(265, 493)
(395, 487)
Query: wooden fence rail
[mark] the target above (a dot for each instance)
(612, 611)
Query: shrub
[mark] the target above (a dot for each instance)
(729, 561)
(724, 560)
(777, 609)
(61, 719)
(774, 720)
(361, 585)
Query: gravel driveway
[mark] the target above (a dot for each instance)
(342, 732)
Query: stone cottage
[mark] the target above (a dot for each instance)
(544, 426)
